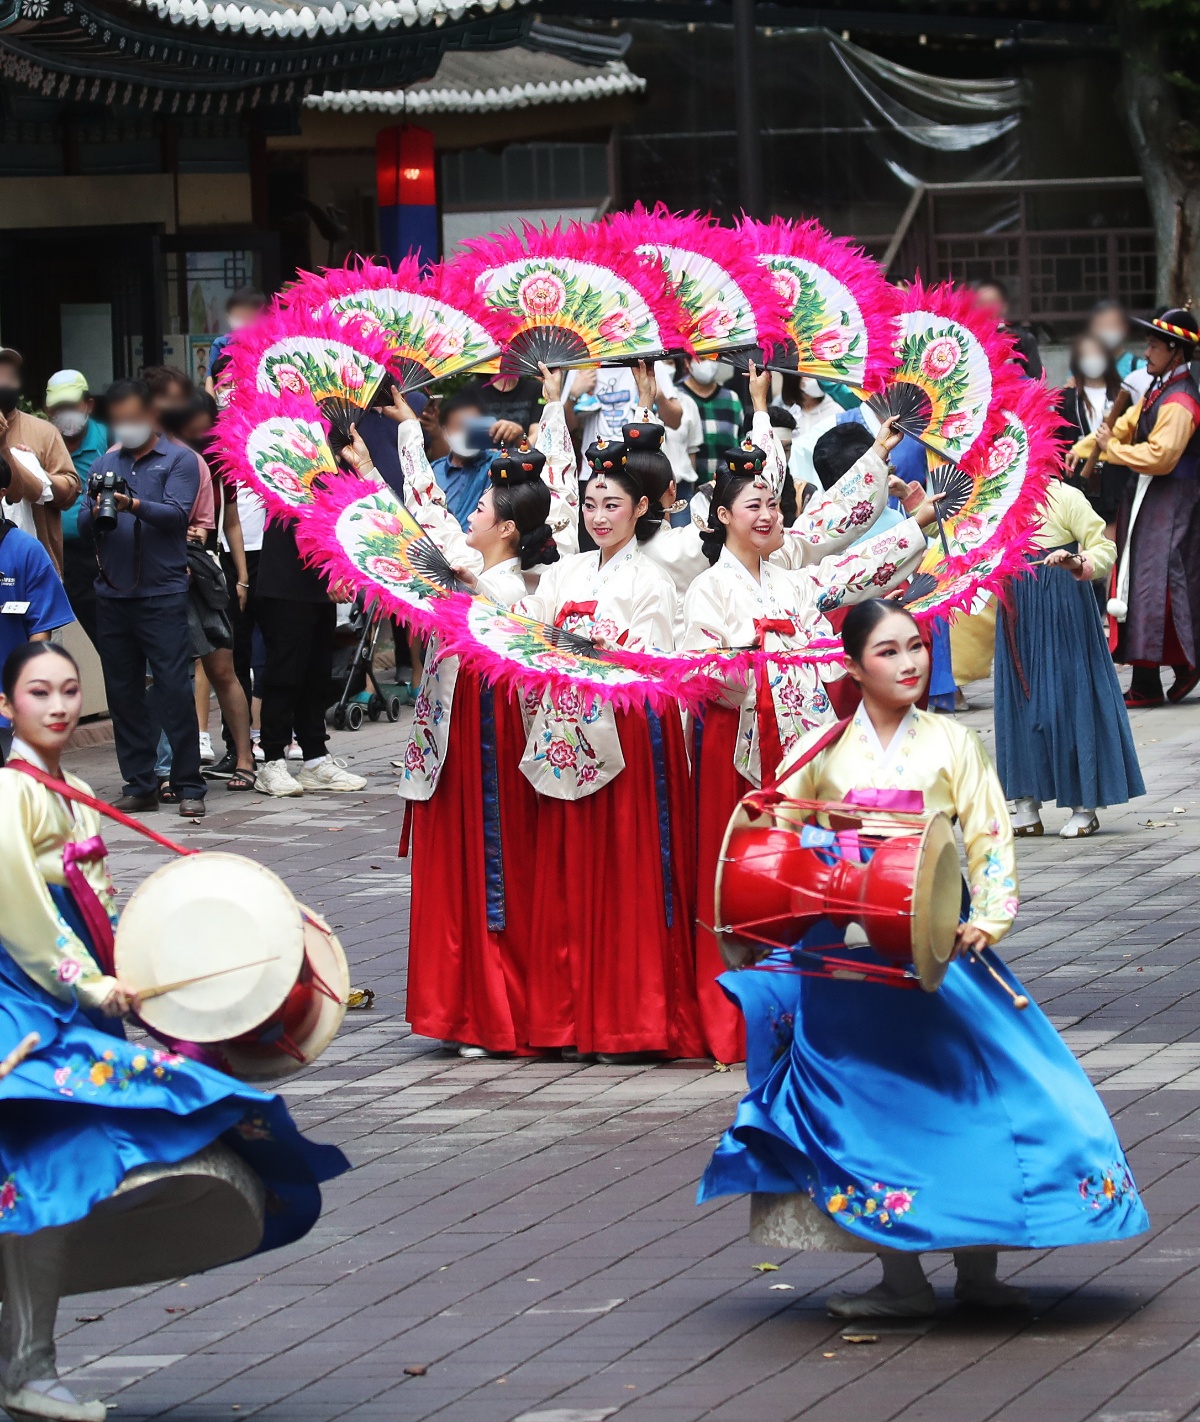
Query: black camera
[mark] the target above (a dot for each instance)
(104, 488)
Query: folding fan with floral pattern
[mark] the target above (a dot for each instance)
(338, 364)
(730, 302)
(839, 311)
(280, 447)
(949, 370)
(428, 334)
(569, 296)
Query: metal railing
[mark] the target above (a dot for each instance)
(1054, 274)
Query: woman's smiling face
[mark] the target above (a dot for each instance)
(610, 514)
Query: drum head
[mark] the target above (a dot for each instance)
(936, 902)
(196, 915)
(328, 962)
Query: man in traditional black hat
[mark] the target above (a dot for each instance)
(1155, 606)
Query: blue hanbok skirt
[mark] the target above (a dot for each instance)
(1068, 740)
(919, 1120)
(86, 1108)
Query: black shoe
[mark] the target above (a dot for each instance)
(136, 804)
(191, 809)
(223, 768)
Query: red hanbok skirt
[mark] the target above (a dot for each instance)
(607, 973)
(719, 787)
(472, 858)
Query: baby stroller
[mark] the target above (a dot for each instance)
(362, 694)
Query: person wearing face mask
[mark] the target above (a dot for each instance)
(720, 416)
(1083, 406)
(814, 412)
(463, 472)
(1109, 324)
(69, 408)
(142, 599)
(44, 481)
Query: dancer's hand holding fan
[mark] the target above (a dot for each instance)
(569, 296)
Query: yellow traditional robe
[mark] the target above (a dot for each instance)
(947, 763)
(34, 825)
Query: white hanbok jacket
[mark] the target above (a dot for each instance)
(783, 611)
(573, 748)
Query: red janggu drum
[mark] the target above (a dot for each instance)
(782, 870)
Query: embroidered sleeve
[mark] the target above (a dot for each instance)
(869, 569)
(561, 474)
(39, 940)
(843, 514)
(426, 501)
(762, 432)
(987, 834)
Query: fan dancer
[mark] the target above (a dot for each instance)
(1062, 730)
(892, 1122)
(1155, 606)
(121, 1164)
(611, 971)
(842, 515)
(746, 601)
(469, 923)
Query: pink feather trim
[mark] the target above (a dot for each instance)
(570, 242)
(248, 346)
(237, 423)
(726, 248)
(878, 301)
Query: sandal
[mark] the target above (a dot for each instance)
(240, 781)
(167, 796)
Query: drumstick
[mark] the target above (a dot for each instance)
(159, 989)
(19, 1053)
(1019, 1000)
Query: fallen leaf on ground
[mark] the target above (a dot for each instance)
(181, 1309)
(719, 1066)
(89, 1318)
(860, 1337)
(416, 1370)
(765, 1268)
(828, 1355)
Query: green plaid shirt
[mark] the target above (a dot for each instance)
(720, 419)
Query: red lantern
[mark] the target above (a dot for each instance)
(406, 192)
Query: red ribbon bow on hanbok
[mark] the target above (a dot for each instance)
(574, 609)
(770, 749)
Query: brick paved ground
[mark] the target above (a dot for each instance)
(526, 1230)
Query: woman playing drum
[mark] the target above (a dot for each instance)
(898, 1122)
(119, 1164)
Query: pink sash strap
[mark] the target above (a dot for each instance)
(87, 901)
(912, 801)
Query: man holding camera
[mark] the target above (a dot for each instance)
(140, 496)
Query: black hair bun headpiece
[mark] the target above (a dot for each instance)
(747, 460)
(522, 465)
(643, 438)
(606, 456)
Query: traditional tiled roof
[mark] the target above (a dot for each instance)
(267, 17)
(485, 81)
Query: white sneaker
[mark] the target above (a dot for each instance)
(259, 758)
(1025, 816)
(1081, 824)
(274, 778)
(51, 1399)
(294, 752)
(329, 775)
(207, 754)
